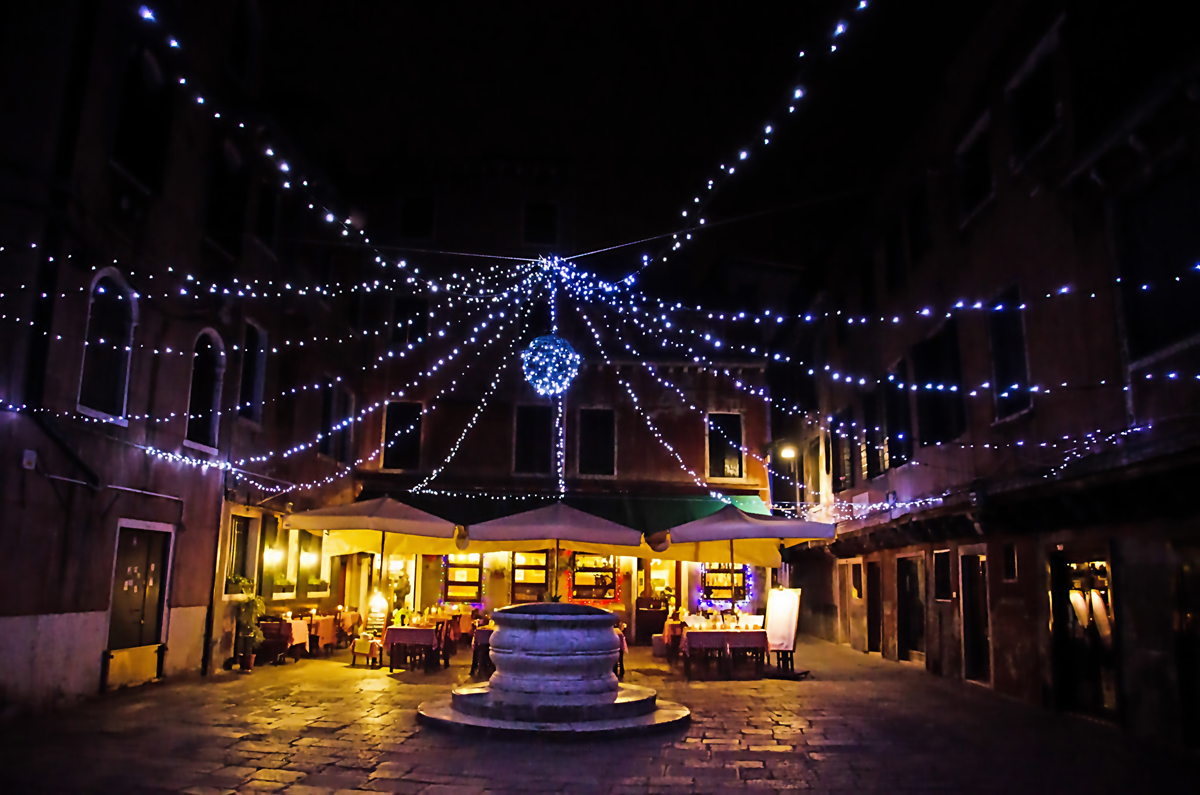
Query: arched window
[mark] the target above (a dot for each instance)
(244, 40)
(144, 123)
(227, 198)
(112, 315)
(204, 401)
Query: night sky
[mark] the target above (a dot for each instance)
(642, 102)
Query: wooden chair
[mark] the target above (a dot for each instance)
(443, 648)
(276, 638)
(366, 645)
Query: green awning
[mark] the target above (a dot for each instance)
(645, 513)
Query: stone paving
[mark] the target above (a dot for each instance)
(321, 727)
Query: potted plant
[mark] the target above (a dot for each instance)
(317, 585)
(247, 634)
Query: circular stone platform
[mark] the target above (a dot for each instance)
(554, 676)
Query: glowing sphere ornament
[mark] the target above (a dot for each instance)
(550, 363)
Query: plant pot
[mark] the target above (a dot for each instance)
(247, 662)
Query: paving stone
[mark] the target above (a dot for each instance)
(320, 727)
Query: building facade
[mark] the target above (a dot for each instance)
(174, 323)
(1007, 379)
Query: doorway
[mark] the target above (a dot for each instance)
(844, 603)
(139, 588)
(1085, 661)
(977, 646)
(874, 607)
(1187, 641)
(910, 608)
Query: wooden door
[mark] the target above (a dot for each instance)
(976, 633)
(910, 608)
(874, 607)
(138, 588)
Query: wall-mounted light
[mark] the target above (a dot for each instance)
(308, 559)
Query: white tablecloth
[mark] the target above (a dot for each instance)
(299, 632)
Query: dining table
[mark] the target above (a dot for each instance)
(324, 630)
(700, 642)
(298, 634)
(411, 638)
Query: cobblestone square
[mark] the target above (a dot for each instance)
(320, 727)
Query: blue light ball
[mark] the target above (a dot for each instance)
(550, 364)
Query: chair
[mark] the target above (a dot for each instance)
(276, 639)
(619, 668)
(445, 645)
(366, 645)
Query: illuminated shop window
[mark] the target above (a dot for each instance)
(593, 577)
(724, 582)
(464, 578)
(530, 576)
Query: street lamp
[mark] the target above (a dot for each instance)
(788, 453)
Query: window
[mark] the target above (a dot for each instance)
(723, 582)
(534, 446)
(894, 266)
(227, 199)
(898, 417)
(1035, 109)
(269, 209)
(243, 43)
(541, 222)
(829, 453)
(725, 445)
(593, 576)
(410, 317)
(941, 413)
(974, 169)
(239, 539)
(941, 575)
(812, 472)
(1010, 371)
(920, 225)
(866, 298)
(875, 433)
(1158, 239)
(204, 401)
(337, 426)
(1010, 562)
(111, 316)
(464, 578)
(272, 555)
(416, 217)
(309, 572)
(254, 368)
(597, 442)
(144, 122)
(856, 580)
(402, 436)
(845, 451)
(530, 576)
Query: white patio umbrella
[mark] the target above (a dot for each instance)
(739, 537)
(382, 524)
(562, 527)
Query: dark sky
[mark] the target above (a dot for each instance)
(642, 100)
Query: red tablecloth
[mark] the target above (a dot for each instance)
(722, 639)
(410, 636)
